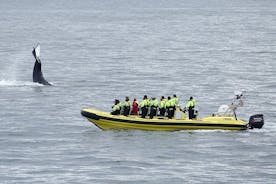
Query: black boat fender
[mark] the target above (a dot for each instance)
(256, 121)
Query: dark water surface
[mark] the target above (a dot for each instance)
(95, 51)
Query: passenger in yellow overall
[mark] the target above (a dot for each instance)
(126, 107)
(190, 107)
(162, 106)
(153, 107)
(147, 105)
(175, 101)
(170, 106)
(116, 108)
(143, 106)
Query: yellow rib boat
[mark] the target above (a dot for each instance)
(106, 121)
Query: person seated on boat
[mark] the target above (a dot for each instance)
(153, 107)
(162, 106)
(126, 107)
(134, 110)
(116, 108)
(190, 107)
(143, 105)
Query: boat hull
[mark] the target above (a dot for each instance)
(106, 121)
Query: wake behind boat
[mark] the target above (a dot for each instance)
(105, 121)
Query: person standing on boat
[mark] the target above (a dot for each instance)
(162, 106)
(237, 101)
(175, 99)
(175, 103)
(126, 107)
(134, 110)
(143, 105)
(153, 107)
(147, 105)
(170, 106)
(190, 107)
(167, 105)
(116, 108)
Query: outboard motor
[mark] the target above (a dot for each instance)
(256, 121)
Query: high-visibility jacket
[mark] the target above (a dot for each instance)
(170, 103)
(173, 102)
(147, 102)
(194, 101)
(144, 103)
(126, 104)
(190, 104)
(154, 103)
(175, 99)
(162, 104)
(116, 107)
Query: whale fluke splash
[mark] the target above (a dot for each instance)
(37, 73)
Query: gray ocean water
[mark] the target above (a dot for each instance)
(95, 51)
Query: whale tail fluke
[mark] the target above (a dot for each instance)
(36, 52)
(37, 72)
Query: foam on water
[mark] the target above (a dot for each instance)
(14, 83)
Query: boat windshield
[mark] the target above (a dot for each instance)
(225, 110)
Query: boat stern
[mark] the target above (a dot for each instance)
(256, 121)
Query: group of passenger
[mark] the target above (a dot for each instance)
(152, 107)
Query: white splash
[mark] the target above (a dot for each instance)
(16, 83)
